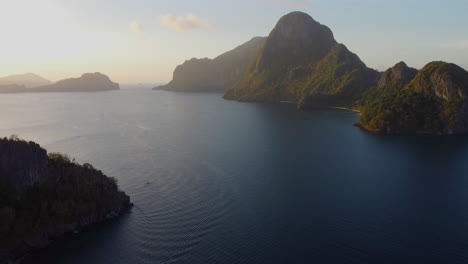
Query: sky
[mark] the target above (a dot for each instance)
(142, 41)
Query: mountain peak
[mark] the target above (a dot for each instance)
(296, 37)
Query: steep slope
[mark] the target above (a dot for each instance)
(396, 78)
(43, 196)
(219, 74)
(391, 81)
(301, 61)
(28, 80)
(434, 102)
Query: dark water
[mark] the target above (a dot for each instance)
(216, 181)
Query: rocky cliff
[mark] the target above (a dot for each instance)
(219, 74)
(396, 78)
(44, 196)
(433, 102)
(301, 61)
(21, 163)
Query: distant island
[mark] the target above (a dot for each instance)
(44, 196)
(88, 82)
(28, 80)
(300, 61)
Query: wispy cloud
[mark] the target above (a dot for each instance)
(303, 4)
(460, 45)
(183, 24)
(136, 27)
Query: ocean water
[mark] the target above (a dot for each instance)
(217, 181)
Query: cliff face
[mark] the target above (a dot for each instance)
(396, 78)
(219, 74)
(302, 62)
(21, 162)
(433, 102)
(296, 39)
(88, 82)
(44, 196)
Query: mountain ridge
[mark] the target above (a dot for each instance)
(213, 75)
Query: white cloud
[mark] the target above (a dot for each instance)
(183, 24)
(136, 27)
(460, 45)
(303, 4)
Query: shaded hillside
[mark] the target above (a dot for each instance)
(43, 196)
(219, 74)
(391, 81)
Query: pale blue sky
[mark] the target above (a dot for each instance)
(138, 40)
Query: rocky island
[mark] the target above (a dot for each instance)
(431, 101)
(300, 61)
(214, 75)
(44, 196)
(88, 82)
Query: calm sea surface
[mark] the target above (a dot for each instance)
(217, 181)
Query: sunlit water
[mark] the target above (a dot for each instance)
(217, 181)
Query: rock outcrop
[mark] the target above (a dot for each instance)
(301, 61)
(433, 102)
(396, 78)
(214, 75)
(44, 196)
(21, 163)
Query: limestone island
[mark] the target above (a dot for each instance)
(300, 61)
(88, 82)
(45, 196)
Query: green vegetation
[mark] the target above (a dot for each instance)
(302, 62)
(67, 197)
(432, 102)
(406, 111)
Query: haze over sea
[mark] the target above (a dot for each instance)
(217, 181)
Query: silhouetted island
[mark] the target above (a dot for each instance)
(88, 82)
(28, 80)
(300, 61)
(44, 196)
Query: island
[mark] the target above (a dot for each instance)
(300, 61)
(44, 196)
(214, 75)
(28, 80)
(434, 101)
(88, 82)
